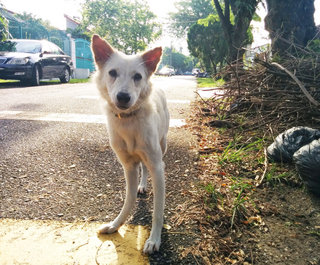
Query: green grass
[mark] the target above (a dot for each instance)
(7, 81)
(276, 174)
(242, 191)
(209, 82)
(72, 81)
(235, 153)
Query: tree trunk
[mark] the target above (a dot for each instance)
(290, 22)
(236, 35)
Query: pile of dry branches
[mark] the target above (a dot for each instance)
(270, 95)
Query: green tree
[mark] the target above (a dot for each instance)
(188, 13)
(4, 33)
(236, 30)
(179, 61)
(127, 25)
(32, 28)
(79, 32)
(207, 43)
(290, 22)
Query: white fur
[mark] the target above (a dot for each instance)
(139, 138)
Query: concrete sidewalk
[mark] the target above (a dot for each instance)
(210, 92)
(55, 242)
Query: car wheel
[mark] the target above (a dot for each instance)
(35, 81)
(66, 76)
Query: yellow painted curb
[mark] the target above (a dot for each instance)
(53, 242)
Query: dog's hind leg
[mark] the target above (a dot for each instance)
(163, 144)
(132, 176)
(142, 188)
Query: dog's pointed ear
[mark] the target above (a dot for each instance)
(101, 49)
(152, 58)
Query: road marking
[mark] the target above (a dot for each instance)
(178, 101)
(66, 117)
(174, 101)
(88, 97)
(55, 242)
(47, 116)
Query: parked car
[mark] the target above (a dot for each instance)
(202, 74)
(166, 70)
(32, 60)
(195, 71)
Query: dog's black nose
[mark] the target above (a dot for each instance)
(123, 98)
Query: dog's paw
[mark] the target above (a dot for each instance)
(142, 189)
(151, 246)
(107, 229)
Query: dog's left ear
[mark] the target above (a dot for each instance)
(151, 59)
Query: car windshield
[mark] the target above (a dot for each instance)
(20, 46)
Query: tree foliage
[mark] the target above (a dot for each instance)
(236, 30)
(188, 13)
(207, 43)
(80, 32)
(217, 30)
(31, 28)
(128, 25)
(28, 26)
(3, 28)
(179, 61)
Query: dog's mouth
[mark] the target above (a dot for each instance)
(122, 107)
(123, 101)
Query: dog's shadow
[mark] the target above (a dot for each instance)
(143, 216)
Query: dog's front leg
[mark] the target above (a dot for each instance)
(158, 183)
(131, 171)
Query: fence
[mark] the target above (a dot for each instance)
(84, 58)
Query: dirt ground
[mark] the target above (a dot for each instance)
(277, 222)
(281, 224)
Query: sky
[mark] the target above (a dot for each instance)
(54, 10)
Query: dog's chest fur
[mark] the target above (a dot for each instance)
(134, 133)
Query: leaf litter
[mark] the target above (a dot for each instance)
(238, 207)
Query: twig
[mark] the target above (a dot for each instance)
(195, 258)
(265, 168)
(77, 247)
(98, 249)
(204, 101)
(302, 87)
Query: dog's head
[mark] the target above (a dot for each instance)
(123, 80)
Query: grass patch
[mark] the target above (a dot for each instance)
(75, 81)
(236, 152)
(8, 81)
(72, 81)
(278, 173)
(55, 81)
(209, 82)
(242, 192)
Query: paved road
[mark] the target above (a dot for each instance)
(56, 163)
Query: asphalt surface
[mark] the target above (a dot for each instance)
(56, 163)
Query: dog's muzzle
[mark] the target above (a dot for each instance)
(123, 100)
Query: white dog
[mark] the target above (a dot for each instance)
(138, 122)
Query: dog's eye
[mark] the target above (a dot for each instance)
(113, 73)
(137, 77)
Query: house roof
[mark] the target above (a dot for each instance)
(10, 15)
(73, 20)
